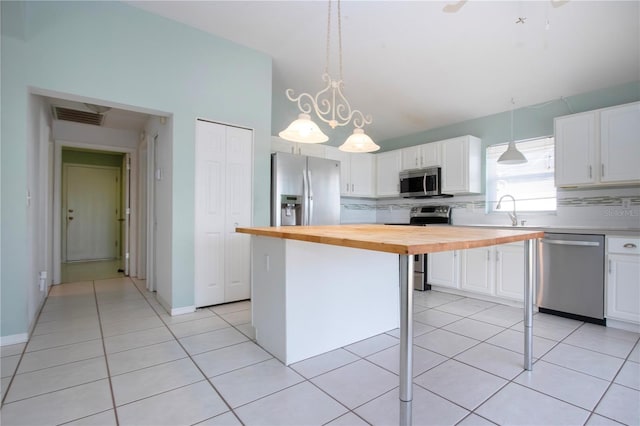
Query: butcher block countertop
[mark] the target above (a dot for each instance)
(397, 239)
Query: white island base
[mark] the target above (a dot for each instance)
(310, 298)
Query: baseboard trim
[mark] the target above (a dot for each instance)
(14, 339)
(183, 310)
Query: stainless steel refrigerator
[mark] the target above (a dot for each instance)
(304, 190)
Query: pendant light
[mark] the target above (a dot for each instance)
(331, 106)
(512, 155)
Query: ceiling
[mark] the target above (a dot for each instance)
(414, 67)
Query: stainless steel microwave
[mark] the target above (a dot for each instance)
(420, 183)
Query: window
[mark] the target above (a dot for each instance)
(531, 183)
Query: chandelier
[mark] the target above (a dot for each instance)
(331, 106)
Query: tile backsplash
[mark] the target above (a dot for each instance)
(598, 208)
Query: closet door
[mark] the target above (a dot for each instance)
(209, 229)
(223, 201)
(239, 178)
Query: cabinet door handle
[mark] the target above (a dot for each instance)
(488, 255)
(609, 265)
(629, 245)
(602, 170)
(347, 190)
(589, 171)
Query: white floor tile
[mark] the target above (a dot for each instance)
(501, 362)
(224, 360)
(435, 318)
(475, 420)
(514, 341)
(428, 409)
(247, 384)
(599, 341)
(106, 418)
(231, 307)
(466, 307)
(55, 378)
(551, 327)
(423, 359)
(59, 407)
(629, 375)
(598, 420)
(177, 319)
(433, 298)
(186, 405)
(418, 330)
(372, 345)
(621, 404)
(615, 333)
(225, 419)
(460, 383)
(515, 404)
(444, 342)
(302, 404)
(128, 326)
(8, 365)
(584, 360)
(135, 359)
(10, 350)
(635, 354)
(356, 383)
(137, 339)
(568, 385)
(348, 419)
(323, 363)
(61, 355)
(217, 339)
(150, 381)
(500, 315)
(69, 324)
(248, 330)
(237, 318)
(475, 329)
(135, 315)
(62, 338)
(4, 384)
(198, 326)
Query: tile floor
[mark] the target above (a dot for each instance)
(105, 352)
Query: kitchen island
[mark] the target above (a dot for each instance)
(317, 288)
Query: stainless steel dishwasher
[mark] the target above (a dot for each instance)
(571, 276)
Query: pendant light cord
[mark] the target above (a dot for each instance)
(328, 53)
(512, 103)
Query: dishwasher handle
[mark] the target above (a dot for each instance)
(572, 243)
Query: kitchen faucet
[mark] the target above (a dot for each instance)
(512, 216)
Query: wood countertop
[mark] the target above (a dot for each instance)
(399, 239)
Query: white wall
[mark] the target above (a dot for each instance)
(94, 135)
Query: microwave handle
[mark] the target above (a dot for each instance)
(424, 184)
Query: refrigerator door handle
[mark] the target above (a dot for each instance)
(305, 199)
(310, 194)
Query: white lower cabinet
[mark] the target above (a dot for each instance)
(623, 279)
(443, 269)
(476, 270)
(492, 271)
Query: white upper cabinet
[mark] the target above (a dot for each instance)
(357, 172)
(598, 147)
(461, 167)
(311, 149)
(421, 156)
(388, 166)
(620, 143)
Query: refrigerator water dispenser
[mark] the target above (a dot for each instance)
(290, 210)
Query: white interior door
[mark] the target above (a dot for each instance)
(126, 212)
(91, 212)
(209, 213)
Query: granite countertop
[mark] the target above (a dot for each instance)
(398, 239)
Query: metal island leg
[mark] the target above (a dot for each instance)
(406, 338)
(529, 264)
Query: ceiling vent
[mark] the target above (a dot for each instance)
(76, 116)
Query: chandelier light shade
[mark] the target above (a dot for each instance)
(329, 105)
(359, 142)
(303, 130)
(512, 155)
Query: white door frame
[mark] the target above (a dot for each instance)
(153, 174)
(57, 197)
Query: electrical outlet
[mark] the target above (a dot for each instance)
(626, 203)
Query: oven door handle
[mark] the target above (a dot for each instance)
(572, 243)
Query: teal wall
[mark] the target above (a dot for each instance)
(529, 122)
(120, 54)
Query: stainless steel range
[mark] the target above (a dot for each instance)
(423, 216)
